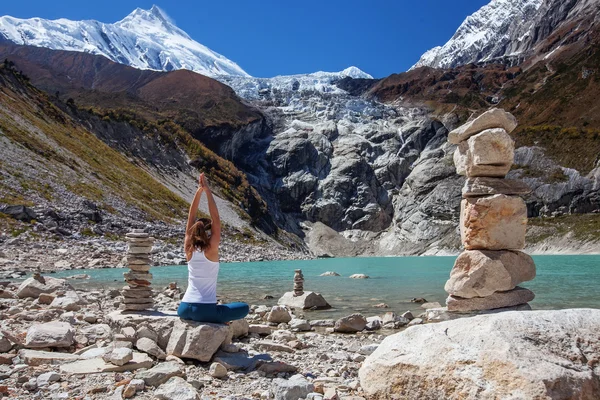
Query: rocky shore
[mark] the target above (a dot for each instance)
(60, 343)
(33, 251)
(57, 342)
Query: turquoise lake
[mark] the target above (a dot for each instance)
(562, 281)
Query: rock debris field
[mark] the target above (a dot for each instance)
(60, 343)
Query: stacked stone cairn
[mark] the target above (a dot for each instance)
(137, 295)
(298, 283)
(300, 299)
(493, 219)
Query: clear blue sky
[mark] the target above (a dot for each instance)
(278, 37)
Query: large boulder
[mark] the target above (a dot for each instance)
(495, 222)
(524, 355)
(50, 334)
(509, 298)
(196, 340)
(70, 301)
(33, 287)
(22, 213)
(350, 324)
(305, 301)
(480, 273)
(494, 118)
(279, 314)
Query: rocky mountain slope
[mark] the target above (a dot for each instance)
(514, 31)
(145, 39)
(69, 174)
(358, 166)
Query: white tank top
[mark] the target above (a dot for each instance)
(202, 280)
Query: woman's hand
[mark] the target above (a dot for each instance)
(200, 184)
(204, 181)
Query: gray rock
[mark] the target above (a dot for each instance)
(262, 330)
(498, 354)
(510, 298)
(479, 273)
(5, 344)
(295, 388)
(279, 314)
(50, 334)
(408, 315)
(268, 345)
(322, 322)
(350, 324)
(359, 276)
(307, 300)
(217, 370)
(368, 349)
(374, 323)
(19, 212)
(97, 365)
(37, 357)
(330, 273)
(32, 287)
(176, 388)
(150, 347)
(160, 374)
(300, 325)
(47, 378)
(145, 332)
(482, 186)
(240, 361)
(494, 118)
(239, 328)
(70, 301)
(118, 356)
(196, 340)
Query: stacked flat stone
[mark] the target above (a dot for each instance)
(137, 295)
(298, 283)
(493, 219)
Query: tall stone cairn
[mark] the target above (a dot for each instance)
(493, 219)
(298, 283)
(137, 295)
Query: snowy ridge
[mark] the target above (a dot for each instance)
(145, 39)
(499, 29)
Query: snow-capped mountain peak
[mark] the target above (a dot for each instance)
(155, 18)
(498, 29)
(145, 39)
(356, 73)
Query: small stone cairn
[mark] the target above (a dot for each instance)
(493, 219)
(137, 295)
(300, 299)
(298, 283)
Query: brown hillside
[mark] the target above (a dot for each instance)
(95, 81)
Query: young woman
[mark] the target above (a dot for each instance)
(202, 252)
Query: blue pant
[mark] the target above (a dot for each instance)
(215, 313)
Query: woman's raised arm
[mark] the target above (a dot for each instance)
(215, 231)
(193, 212)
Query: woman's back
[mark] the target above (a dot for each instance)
(202, 279)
